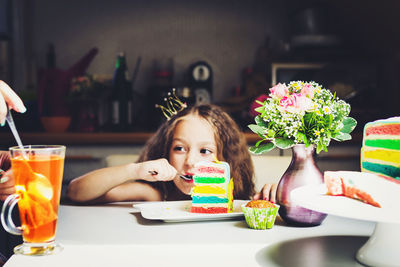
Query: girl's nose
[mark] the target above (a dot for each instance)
(191, 159)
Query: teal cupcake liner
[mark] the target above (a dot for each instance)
(260, 219)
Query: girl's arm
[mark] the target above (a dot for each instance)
(118, 183)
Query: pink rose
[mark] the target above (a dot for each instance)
(308, 90)
(287, 102)
(303, 103)
(295, 103)
(279, 91)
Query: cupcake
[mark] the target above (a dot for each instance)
(260, 214)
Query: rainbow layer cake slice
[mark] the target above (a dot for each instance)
(356, 185)
(213, 188)
(381, 148)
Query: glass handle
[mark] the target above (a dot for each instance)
(7, 222)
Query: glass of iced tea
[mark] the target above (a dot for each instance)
(38, 172)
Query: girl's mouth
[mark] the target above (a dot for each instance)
(188, 177)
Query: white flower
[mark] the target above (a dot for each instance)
(327, 110)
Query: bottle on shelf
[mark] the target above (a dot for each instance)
(121, 98)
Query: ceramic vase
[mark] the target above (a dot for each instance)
(302, 170)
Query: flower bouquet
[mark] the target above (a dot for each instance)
(301, 113)
(88, 88)
(87, 97)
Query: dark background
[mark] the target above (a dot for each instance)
(358, 40)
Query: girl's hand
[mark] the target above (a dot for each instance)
(6, 184)
(268, 192)
(10, 98)
(156, 170)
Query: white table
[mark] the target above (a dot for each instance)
(117, 235)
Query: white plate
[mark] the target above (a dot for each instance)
(314, 197)
(176, 211)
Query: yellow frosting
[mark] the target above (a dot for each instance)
(230, 195)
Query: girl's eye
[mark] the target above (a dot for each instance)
(179, 148)
(205, 151)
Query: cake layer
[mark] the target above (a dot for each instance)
(209, 190)
(211, 175)
(207, 205)
(386, 170)
(382, 128)
(390, 156)
(210, 169)
(381, 162)
(383, 143)
(209, 180)
(209, 199)
(209, 210)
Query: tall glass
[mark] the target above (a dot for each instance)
(38, 172)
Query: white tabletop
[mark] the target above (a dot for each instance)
(117, 235)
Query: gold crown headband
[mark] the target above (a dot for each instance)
(172, 105)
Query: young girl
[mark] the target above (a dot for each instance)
(197, 133)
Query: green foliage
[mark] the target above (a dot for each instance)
(284, 143)
(257, 129)
(348, 125)
(263, 148)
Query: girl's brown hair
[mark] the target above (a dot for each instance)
(231, 145)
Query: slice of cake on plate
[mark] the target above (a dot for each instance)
(213, 188)
(380, 157)
(380, 152)
(365, 187)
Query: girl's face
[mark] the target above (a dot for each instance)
(193, 141)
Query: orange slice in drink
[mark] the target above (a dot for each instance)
(36, 197)
(40, 186)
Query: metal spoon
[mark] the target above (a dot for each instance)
(14, 131)
(185, 177)
(40, 183)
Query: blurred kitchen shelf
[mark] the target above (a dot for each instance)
(78, 138)
(135, 138)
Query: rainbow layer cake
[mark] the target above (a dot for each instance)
(213, 188)
(381, 148)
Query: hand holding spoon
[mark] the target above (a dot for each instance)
(185, 177)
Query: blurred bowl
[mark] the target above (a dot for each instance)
(56, 124)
